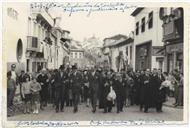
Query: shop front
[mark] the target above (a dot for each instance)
(143, 56)
(35, 61)
(174, 57)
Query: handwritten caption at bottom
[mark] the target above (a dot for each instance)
(88, 123)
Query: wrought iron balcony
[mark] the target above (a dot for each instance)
(173, 30)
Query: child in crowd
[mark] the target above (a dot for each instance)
(26, 93)
(35, 88)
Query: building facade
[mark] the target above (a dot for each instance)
(173, 27)
(119, 50)
(34, 39)
(42, 42)
(62, 47)
(147, 39)
(14, 34)
(77, 57)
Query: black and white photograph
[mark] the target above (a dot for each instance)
(95, 61)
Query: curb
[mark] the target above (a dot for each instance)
(171, 106)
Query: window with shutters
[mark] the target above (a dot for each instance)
(150, 22)
(143, 24)
(137, 28)
(34, 42)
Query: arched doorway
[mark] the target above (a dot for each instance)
(19, 51)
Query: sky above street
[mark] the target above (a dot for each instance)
(101, 24)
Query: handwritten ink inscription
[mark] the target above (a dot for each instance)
(90, 123)
(46, 123)
(71, 8)
(128, 122)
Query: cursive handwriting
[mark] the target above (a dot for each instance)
(129, 122)
(46, 123)
(88, 7)
(91, 123)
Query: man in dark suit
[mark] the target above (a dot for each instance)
(43, 80)
(60, 89)
(154, 87)
(147, 90)
(119, 87)
(161, 93)
(67, 85)
(94, 85)
(141, 90)
(76, 79)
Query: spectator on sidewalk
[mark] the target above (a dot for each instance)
(26, 93)
(35, 89)
(21, 80)
(175, 73)
(180, 94)
(11, 86)
(14, 77)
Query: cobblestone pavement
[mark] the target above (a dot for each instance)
(85, 114)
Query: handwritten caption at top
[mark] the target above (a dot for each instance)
(71, 8)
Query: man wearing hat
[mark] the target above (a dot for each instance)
(76, 82)
(147, 90)
(94, 86)
(60, 79)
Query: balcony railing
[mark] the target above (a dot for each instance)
(33, 44)
(173, 30)
(169, 31)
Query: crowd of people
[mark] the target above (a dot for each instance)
(96, 87)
